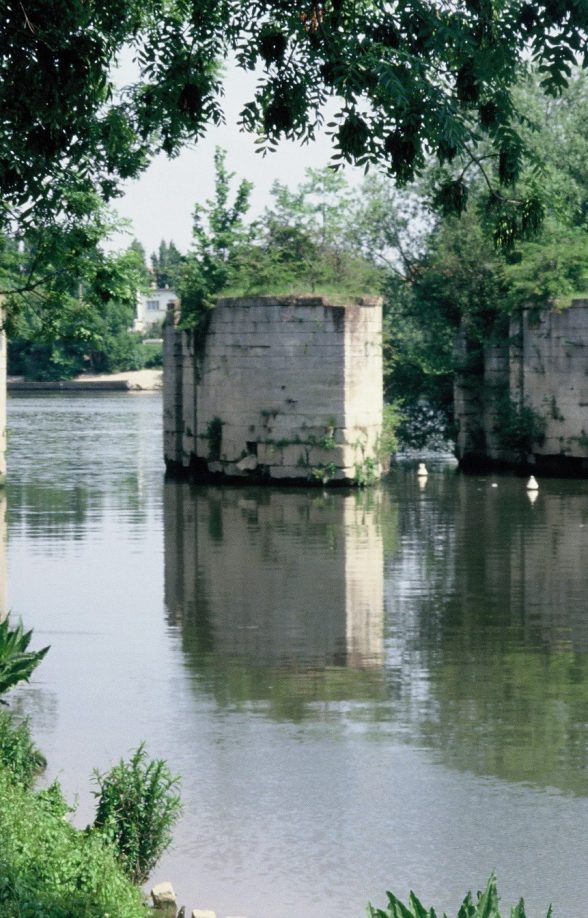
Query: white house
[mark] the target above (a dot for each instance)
(152, 307)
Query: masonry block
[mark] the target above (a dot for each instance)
(284, 376)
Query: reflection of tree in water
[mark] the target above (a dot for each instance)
(75, 460)
(495, 672)
(278, 594)
(52, 513)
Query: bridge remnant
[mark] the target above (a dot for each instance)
(523, 401)
(285, 388)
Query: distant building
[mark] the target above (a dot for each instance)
(152, 307)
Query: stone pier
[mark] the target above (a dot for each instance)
(278, 389)
(525, 403)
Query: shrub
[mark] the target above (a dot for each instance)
(18, 753)
(137, 808)
(388, 444)
(16, 662)
(519, 427)
(485, 906)
(49, 868)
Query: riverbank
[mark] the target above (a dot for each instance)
(130, 381)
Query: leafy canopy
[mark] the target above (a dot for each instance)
(409, 79)
(69, 304)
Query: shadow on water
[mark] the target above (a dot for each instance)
(278, 594)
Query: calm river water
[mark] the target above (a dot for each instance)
(361, 691)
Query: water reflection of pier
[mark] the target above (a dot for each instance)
(494, 627)
(287, 581)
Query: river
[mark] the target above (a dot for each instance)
(361, 691)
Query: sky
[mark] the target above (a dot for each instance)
(160, 203)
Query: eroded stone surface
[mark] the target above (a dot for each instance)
(283, 388)
(543, 367)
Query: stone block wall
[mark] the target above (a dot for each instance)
(281, 388)
(543, 366)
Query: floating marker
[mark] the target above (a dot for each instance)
(422, 470)
(532, 484)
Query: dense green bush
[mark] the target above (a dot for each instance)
(519, 427)
(388, 443)
(486, 905)
(137, 807)
(50, 869)
(18, 753)
(152, 355)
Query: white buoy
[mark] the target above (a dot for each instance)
(422, 470)
(493, 485)
(532, 484)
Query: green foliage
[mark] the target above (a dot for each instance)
(16, 661)
(137, 808)
(219, 232)
(49, 868)
(151, 355)
(485, 905)
(166, 264)
(303, 244)
(550, 270)
(365, 472)
(453, 276)
(388, 442)
(59, 328)
(453, 281)
(323, 472)
(380, 66)
(519, 427)
(307, 242)
(18, 754)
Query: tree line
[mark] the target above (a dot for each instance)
(436, 271)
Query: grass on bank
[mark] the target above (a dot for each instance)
(49, 868)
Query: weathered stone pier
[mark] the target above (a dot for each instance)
(525, 403)
(282, 388)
